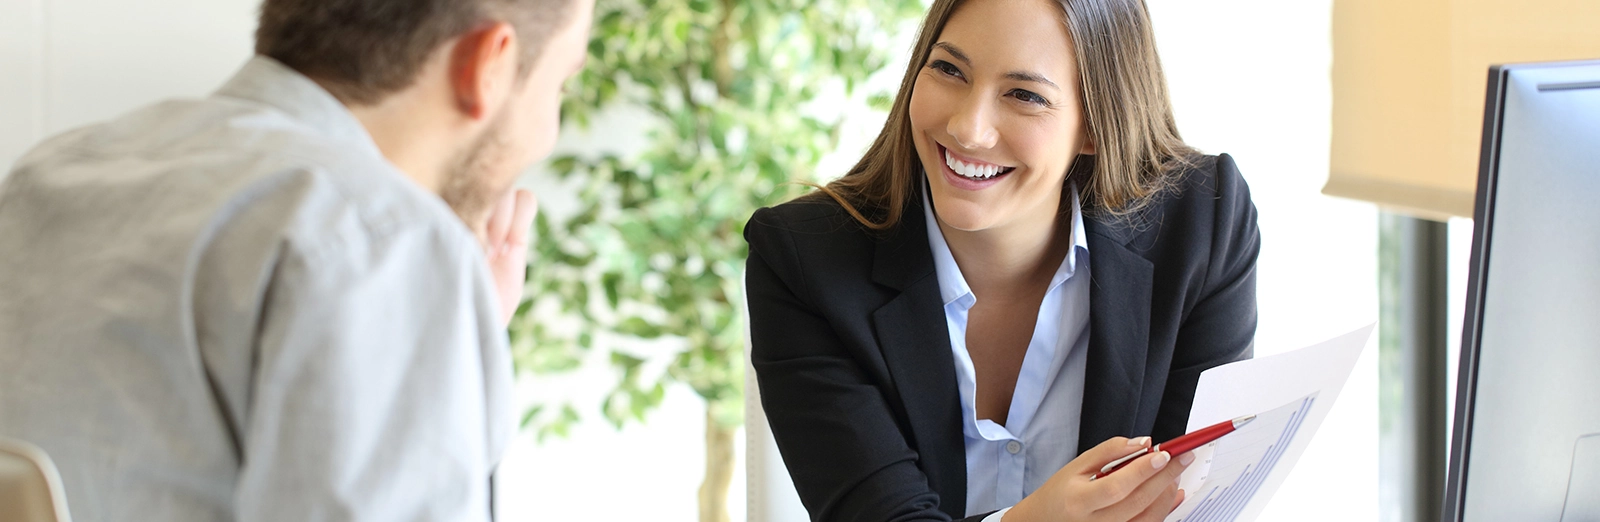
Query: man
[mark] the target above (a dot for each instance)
(275, 303)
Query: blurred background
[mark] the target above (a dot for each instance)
(691, 115)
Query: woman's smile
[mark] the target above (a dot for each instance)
(971, 174)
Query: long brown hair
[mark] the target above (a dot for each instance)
(1138, 151)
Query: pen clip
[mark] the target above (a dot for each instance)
(1113, 465)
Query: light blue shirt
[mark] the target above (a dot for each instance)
(1006, 463)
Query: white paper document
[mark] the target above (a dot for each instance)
(1289, 394)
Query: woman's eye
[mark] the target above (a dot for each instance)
(1028, 97)
(945, 67)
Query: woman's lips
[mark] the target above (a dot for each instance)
(985, 174)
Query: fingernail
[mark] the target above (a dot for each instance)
(1186, 459)
(1141, 441)
(1160, 460)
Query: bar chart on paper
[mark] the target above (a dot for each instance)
(1241, 462)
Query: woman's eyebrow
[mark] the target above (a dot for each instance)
(1021, 76)
(1026, 76)
(951, 48)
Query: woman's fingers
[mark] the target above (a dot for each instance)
(1114, 448)
(1115, 488)
(1072, 493)
(1160, 507)
(1155, 492)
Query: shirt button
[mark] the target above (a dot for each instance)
(1013, 447)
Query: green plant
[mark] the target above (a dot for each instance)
(656, 248)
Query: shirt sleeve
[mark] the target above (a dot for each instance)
(996, 516)
(380, 384)
(1221, 327)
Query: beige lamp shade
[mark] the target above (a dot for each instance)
(1409, 78)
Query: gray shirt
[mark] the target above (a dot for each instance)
(235, 308)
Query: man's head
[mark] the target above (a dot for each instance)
(461, 94)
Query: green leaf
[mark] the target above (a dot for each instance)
(639, 327)
(528, 416)
(611, 281)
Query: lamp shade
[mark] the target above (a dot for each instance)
(1409, 78)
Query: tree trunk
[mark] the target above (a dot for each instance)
(719, 470)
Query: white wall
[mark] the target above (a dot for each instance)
(64, 63)
(1251, 78)
(21, 72)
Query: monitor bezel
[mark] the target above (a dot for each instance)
(1471, 326)
(1467, 373)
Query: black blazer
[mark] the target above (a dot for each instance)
(852, 354)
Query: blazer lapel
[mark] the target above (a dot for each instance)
(1119, 333)
(916, 349)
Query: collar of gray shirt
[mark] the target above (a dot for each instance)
(269, 82)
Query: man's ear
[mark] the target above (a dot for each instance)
(483, 65)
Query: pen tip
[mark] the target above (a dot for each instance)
(1241, 421)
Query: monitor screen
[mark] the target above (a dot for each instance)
(1526, 445)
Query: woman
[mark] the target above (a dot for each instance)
(931, 337)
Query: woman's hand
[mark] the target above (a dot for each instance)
(506, 247)
(1145, 490)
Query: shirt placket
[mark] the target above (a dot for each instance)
(1013, 456)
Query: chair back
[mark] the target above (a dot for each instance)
(770, 493)
(30, 487)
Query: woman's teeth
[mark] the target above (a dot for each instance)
(968, 170)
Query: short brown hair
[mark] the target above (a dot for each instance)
(364, 50)
(1138, 151)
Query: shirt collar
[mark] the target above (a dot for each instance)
(1080, 241)
(269, 82)
(953, 286)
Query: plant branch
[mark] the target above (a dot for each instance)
(721, 47)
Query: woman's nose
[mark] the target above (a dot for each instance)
(971, 124)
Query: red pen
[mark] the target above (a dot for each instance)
(1182, 444)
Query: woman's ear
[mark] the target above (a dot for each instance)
(1088, 145)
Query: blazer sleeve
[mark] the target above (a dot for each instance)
(1221, 327)
(833, 425)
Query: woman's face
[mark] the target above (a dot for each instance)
(995, 114)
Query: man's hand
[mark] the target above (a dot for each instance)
(506, 246)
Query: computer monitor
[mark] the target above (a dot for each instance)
(1526, 445)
